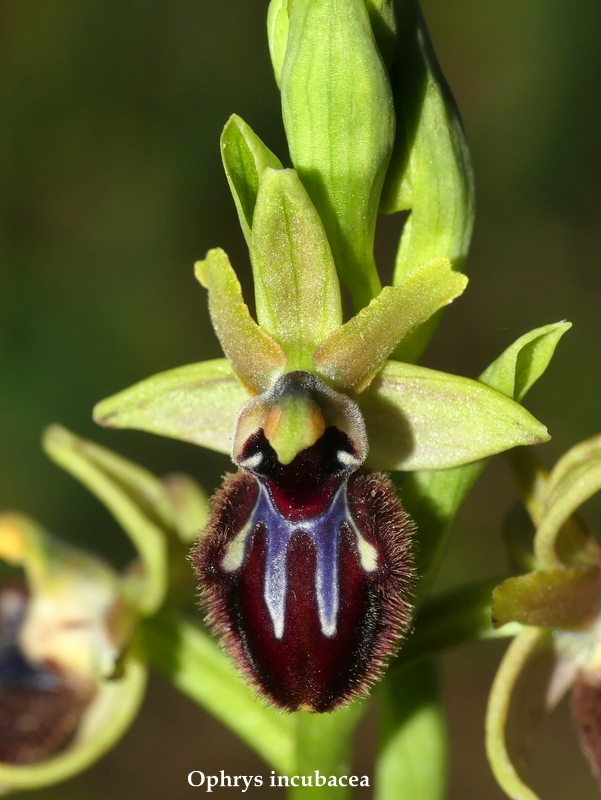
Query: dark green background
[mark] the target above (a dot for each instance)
(111, 186)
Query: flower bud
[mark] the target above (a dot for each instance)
(306, 567)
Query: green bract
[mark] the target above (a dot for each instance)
(339, 119)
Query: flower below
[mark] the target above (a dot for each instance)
(40, 707)
(306, 567)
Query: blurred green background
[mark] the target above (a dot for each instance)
(112, 186)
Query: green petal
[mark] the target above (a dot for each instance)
(296, 286)
(523, 363)
(198, 403)
(419, 418)
(524, 672)
(244, 158)
(190, 505)
(255, 357)
(277, 34)
(197, 666)
(575, 478)
(340, 129)
(353, 354)
(430, 170)
(104, 722)
(125, 490)
(562, 598)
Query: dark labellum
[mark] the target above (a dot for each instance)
(306, 568)
(586, 710)
(39, 709)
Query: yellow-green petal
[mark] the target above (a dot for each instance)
(255, 357)
(352, 355)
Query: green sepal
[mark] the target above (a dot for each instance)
(104, 722)
(127, 491)
(430, 171)
(419, 418)
(339, 120)
(244, 158)
(516, 703)
(523, 363)
(198, 403)
(433, 498)
(353, 354)
(561, 598)
(197, 666)
(575, 478)
(413, 751)
(296, 287)
(190, 505)
(277, 35)
(255, 357)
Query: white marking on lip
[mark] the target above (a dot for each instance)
(346, 458)
(252, 462)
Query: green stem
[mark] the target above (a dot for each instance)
(196, 665)
(453, 618)
(323, 742)
(412, 762)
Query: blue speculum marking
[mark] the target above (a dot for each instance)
(324, 530)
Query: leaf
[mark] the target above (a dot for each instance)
(277, 34)
(418, 418)
(195, 664)
(255, 357)
(296, 286)
(523, 363)
(430, 170)
(104, 722)
(244, 158)
(575, 478)
(190, 505)
(352, 355)
(119, 484)
(198, 403)
(518, 690)
(412, 757)
(340, 130)
(561, 598)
